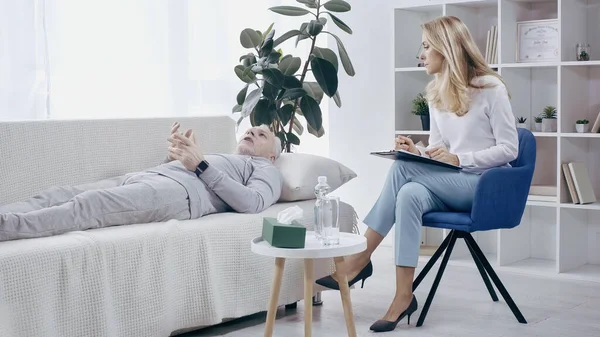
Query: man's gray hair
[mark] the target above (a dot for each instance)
(277, 142)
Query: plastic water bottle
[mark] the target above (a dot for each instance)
(321, 191)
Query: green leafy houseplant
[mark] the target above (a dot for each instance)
(276, 91)
(581, 125)
(582, 121)
(420, 108)
(549, 119)
(538, 123)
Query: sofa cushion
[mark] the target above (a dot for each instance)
(300, 172)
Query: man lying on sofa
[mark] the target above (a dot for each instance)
(188, 185)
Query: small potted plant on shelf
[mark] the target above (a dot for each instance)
(549, 119)
(582, 125)
(521, 122)
(421, 108)
(538, 123)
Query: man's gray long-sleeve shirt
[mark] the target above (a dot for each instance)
(240, 183)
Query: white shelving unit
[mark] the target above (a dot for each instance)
(555, 238)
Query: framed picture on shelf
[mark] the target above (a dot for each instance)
(538, 41)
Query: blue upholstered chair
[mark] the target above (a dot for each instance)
(500, 199)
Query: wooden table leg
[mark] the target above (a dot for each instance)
(275, 288)
(308, 294)
(345, 293)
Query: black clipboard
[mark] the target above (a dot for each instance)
(405, 155)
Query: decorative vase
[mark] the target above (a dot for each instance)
(581, 128)
(522, 125)
(548, 125)
(425, 122)
(538, 126)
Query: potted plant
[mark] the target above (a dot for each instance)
(420, 108)
(521, 122)
(582, 125)
(277, 88)
(549, 119)
(538, 123)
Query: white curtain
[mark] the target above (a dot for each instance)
(86, 59)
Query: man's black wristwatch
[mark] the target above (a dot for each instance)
(201, 168)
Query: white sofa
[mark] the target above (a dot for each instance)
(155, 279)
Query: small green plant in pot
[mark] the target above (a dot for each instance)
(582, 125)
(521, 122)
(549, 119)
(538, 123)
(420, 108)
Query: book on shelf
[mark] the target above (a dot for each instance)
(491, 45)
(578, 182)
(546, 193)
(596, 125)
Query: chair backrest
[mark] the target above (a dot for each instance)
(527, 149)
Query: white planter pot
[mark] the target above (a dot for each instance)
(581, 128)
(548, 125)
(538, 127)
(522, 125)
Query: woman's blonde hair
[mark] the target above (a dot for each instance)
(449, 90)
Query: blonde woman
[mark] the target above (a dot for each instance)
(472, 126)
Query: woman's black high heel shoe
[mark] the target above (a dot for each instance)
(331, 283)
(383, 325)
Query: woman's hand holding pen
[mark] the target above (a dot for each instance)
(406, 144)
(441, 154)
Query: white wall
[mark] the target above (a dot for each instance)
(365, 122)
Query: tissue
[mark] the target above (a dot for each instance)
(285, 231)
(287, 215)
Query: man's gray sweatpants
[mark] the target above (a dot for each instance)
(128, 199)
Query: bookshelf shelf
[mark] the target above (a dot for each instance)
(556, 237)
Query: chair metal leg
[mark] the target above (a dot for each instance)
(483, 273)
(496, 279)
(317, 301)
(438, 277)
(432, 261)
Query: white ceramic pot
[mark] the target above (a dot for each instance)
(581, 128)
(538, 127)
(522, 125)
(548, 125)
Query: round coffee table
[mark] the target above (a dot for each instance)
(349, 244)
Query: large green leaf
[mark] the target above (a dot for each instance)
(270, 91)
(314, 90)
(343, 26)
(264, 35)
(250, 102)
(308, 3)
(290, 65)
(292, 138)
(289, 10)
(312, 112)
(348, 67)
(291, 82)
(303, 33)
(274, 77)
(314, 27)
(273, 57)
(337, 6)
(263, 112)
(245, 74)
(328, 54)
(236, 108)
(325, 74)
(249, 38)
(266, 48)
(285, 113)
(337, 99)
(285, 36)
(241, 96)
(313, 132)
(294, 93)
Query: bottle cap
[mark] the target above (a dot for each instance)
(322, 179)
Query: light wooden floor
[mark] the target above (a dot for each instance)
(461, 307)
